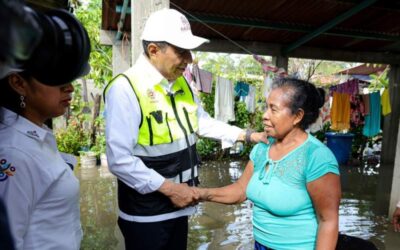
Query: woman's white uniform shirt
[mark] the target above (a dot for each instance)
(39, 189)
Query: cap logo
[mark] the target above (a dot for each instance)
(185, 24)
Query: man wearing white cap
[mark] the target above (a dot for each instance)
(152, 123)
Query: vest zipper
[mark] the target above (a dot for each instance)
(148, 118)
(191, 182)
(188, 121)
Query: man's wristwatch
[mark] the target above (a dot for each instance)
(247, 138)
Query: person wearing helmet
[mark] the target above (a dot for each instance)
(39, 189)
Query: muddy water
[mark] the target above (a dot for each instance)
(224, 227)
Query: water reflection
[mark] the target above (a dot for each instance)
(98, 208)
(223, 227)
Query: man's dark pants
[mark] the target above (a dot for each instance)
(163, 235)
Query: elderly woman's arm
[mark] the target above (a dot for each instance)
(325, 193)
(231, 194)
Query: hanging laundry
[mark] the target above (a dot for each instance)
(241, 88)
(373, 119)
(340, 111)
(386, 108)
(224, 100)
(357, 110)
(323, 117)
(316, 126)
(325, 111)
(202, 78)
(365, 99)
(188, 75)
(267, 85)
(250, 99)
(350, 87)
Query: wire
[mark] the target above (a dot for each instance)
(211, 28)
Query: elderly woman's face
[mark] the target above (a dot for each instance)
(278, 120)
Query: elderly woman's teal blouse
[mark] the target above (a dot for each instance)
(283, 213)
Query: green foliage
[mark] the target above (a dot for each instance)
(256, 120)
(306, 68)
(99, 146)
(206, 148)
(379, 81)
(242, 117)
(233, 67)
(74, 137)
(320, 135)
(101, 55)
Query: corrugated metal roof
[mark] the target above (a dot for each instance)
(375, 28)
(364, 69)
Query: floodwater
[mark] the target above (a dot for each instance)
(226, 227)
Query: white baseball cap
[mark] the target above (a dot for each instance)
(171, 26)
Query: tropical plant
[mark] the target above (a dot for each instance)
(75, 137)
(379, 81)
(101, 55)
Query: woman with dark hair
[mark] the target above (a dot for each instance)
(39, 189)
(294, 180)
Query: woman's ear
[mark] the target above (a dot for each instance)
(18, 83)
(299, 116)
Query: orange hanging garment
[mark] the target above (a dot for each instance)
(340, 111)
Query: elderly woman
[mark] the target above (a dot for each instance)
(294, 180)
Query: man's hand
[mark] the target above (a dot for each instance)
(202, 193)
(396, 219)
(181, 194)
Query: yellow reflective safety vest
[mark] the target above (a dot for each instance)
(166, 117)
(166, 141)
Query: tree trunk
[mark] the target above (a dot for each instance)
(95, 114)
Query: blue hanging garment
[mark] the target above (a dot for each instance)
(241, 89)
(373, 119)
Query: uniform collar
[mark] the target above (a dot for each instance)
(154, 77)
(23, 125)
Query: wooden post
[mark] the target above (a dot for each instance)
(389, 142)
(141, 9)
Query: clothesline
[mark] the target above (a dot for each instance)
(352, 107)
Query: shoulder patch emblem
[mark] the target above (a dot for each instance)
(6, 169)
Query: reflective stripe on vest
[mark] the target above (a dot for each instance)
(165, 115)
(166, 143)
(162, 149)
